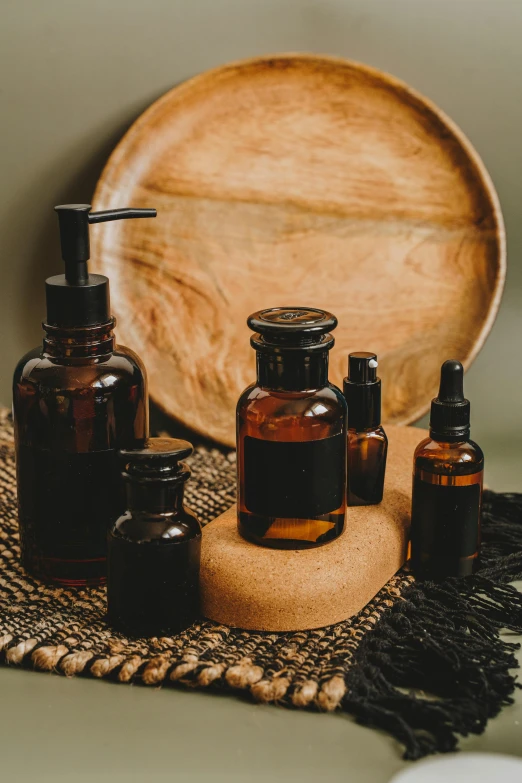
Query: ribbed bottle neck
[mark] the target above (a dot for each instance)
(79, 342)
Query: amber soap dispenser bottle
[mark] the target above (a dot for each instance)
(447, 487)
(291, 434)
(76, 400)
(367, 441)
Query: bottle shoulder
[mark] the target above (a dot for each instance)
(128, 356)
(375, 434)
(143, 528)
(288, 416)
(313, 402)
(120, 367)
(432, 454)
(27, 362)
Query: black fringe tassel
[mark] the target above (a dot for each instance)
(436, 666)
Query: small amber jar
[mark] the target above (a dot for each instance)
(154, 547)
(291, 434)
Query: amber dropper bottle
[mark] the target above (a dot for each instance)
(447, 487)
(367, 441)
(76, 400)
(154, 547)
(291, 434)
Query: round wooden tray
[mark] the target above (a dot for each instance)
(298, 180)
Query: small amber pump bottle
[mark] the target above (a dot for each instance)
(367, 441)
(154, 547)
(291, 434)
(447, 487)
(76, 400)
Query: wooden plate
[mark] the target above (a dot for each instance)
(298, 180)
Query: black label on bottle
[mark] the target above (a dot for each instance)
(296, 480)
(445, 520)
(68, 500)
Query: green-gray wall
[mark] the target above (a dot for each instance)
(76, 74)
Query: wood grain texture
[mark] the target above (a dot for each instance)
(298, 180)
(248, 586)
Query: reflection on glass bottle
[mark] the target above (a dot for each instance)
(447, 487)
(291, 434)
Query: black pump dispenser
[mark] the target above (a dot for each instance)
(450, 411)
(362, 389)
(77, 298)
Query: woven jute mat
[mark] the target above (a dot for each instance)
(424, 662)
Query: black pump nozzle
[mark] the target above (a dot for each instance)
(450, 411)
(74, 220)
(362, 367)
(362, 389)
(78, 299)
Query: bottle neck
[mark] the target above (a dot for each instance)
(155, 496)
(79, 342)
(449, 438)
(292, 370)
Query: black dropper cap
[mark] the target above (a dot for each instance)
(449, 419)
(77, 298)
(154, 471)
(362, 389)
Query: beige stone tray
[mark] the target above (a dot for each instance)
(253, 587)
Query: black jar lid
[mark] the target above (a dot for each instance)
(158, 459)
(292, 327)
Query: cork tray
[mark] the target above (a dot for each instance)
(248, 586)
(298, 180)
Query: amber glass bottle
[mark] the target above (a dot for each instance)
(367, 440)
(76, 401)
(291, 434)
(154, 547)
(447, 487)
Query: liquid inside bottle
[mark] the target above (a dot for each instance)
(291, 436)
(447, 498)
(367, 452)
(75, 402)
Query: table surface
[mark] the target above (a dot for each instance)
(57, 729)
